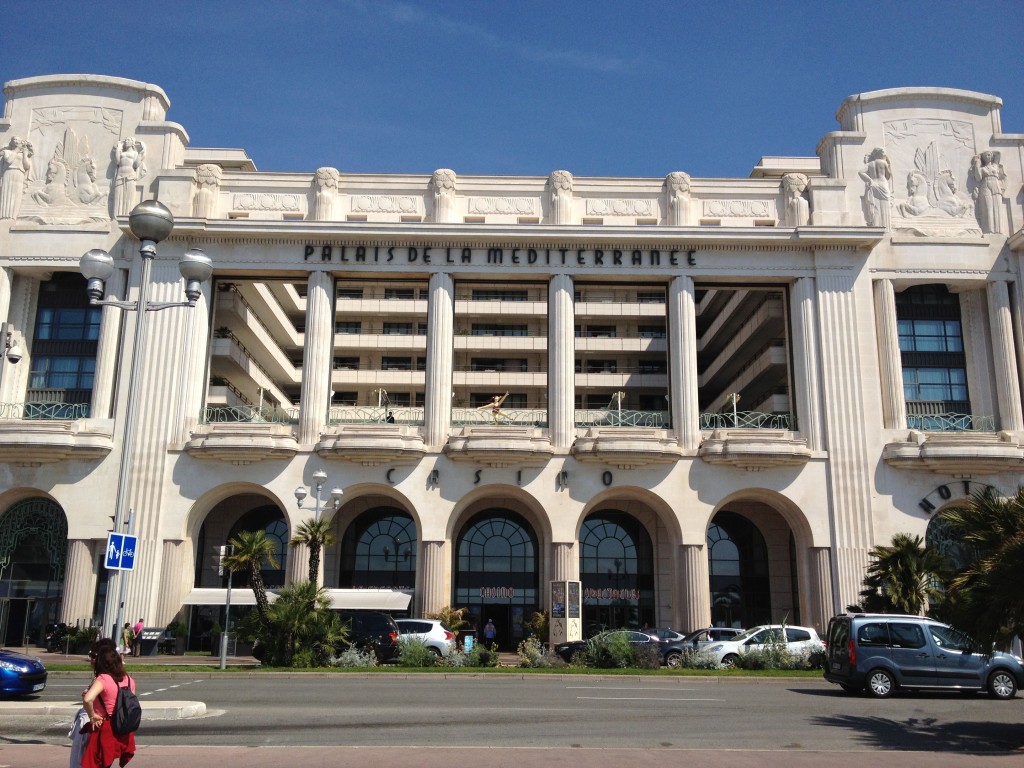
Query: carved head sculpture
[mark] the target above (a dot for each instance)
(208, 175)
(560, 181)
(327, 178)
(127, 144)
(987, 157)
(915, 181)
(794, 184)
(443, 180)
(878, 153)
(677, 182)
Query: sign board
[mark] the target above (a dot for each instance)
(566, 613)
(121, 551)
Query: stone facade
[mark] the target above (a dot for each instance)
(511, 379)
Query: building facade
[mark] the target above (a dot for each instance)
(705, 399)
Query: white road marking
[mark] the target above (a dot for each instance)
(638, 698)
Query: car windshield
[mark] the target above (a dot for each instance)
(746, 635)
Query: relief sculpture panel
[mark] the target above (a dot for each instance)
(71, 172)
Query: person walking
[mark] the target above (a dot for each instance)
(127, 640)
(490, 632)
(137, 643)
(105, 746)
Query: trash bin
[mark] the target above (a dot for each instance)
(149, 644)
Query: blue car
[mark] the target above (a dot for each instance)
(20, 674)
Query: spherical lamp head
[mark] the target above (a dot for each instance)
(301, 494)
(195, 266)
(96, 266)
(151, 220)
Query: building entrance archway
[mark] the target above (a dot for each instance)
(617, 572)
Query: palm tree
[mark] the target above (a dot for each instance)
(315, 534)
(987, 594)
(301, 623)
(249, 551)
(902, 577)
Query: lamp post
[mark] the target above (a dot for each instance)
(399, 557)
(151, 223)
(319, 477)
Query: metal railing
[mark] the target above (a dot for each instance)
(746, 420)
(248, 414)
(45, 411)
(375, 414)
(951, 422)
(519, 417)
(605, 417)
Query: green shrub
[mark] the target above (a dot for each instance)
(646, 657)
(609, 651)
(480, 656)
(415, 653)
(694, 658)
(354, 657)
(533, 654)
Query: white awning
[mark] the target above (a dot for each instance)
(341, 599)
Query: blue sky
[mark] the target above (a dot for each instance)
(599, 88)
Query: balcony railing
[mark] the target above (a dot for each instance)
(519, 417)
(746, 420)
(605, 417)
(44, 411)
(951, 422)
(248, 414)
(374, 414)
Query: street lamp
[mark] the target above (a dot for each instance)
(151, 223)
(400, 556)
(320, 477)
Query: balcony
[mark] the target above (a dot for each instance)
(625, 446)
(959, 453)
(32, 434)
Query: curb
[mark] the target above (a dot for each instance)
(157, 710)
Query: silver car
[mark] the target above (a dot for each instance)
(431, 632)
(797, 640)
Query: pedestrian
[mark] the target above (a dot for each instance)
(105, 746)
(80, 725)
(127, 640)
(137, 643)
(490, 632)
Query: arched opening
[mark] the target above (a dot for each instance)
(497, 572)
(738, 567)
(33, 556)
(379, 551)
(616, 571)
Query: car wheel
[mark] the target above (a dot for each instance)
(673, 659)
(880, 684)
(851, 688)
(1001, 685)
(437, 652)
(729, 660)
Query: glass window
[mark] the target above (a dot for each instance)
(907, 635)
(873, 634)
(379, 550)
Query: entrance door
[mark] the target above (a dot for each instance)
(16, 614)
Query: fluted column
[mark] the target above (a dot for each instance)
(805, 363)
(79, 583)
(317, 357)
(682, 363)
(298, 565)
(820, 573)
(177, 575)
(890, 365)
(565, 562)
(1004, 357)
(561, 369)
(108, 351)
(691, 598)
(437, 394)
(5, 293)
(433, 577)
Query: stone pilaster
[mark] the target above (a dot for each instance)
(561, 370)
(108, 350)
(177, 575)
(682, 363)
(805, 363)
(890, 366)
(79, 583)
(317, 357)
(691, 591)
(565, 561)
(1004, 357)
(437, 394)
(297, 568)
(434, 589)
(844, 385)
(5, 293)
(822, 605)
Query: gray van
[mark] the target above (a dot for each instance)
(880, 653)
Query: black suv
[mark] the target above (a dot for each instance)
(373, 630)
(880, 653)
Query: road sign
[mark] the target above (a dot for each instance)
(121, 550)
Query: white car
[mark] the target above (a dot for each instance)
(798, 640)
(431, 632)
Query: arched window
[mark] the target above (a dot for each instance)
(379, 550)
(617, 571)
(738, 568)
(271, 520)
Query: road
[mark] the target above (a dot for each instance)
(538, 720)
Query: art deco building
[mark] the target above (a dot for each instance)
(705, 399)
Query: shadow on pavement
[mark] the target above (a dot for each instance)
(929, 734)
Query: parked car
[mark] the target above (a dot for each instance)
(373, 630)
(431, 632)
(702, 638)
(881, 653)
(636, 638)
(20, 674)
(664, 634)
(798, 640)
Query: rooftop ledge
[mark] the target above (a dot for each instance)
(960, 454)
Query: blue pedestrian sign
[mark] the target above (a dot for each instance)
(121, 549)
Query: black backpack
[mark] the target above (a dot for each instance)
(127, 712)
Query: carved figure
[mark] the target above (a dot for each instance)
(677, 192)
(796, 209)
(560, 185)
(917, 195)
(130, 166)
(443, 181)
(989, 174)
(15, 169)
(85, 181)
(327, 181)
(948, 197)
(56, 190)
(877, 176)
(495, 406)
(208, 176)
